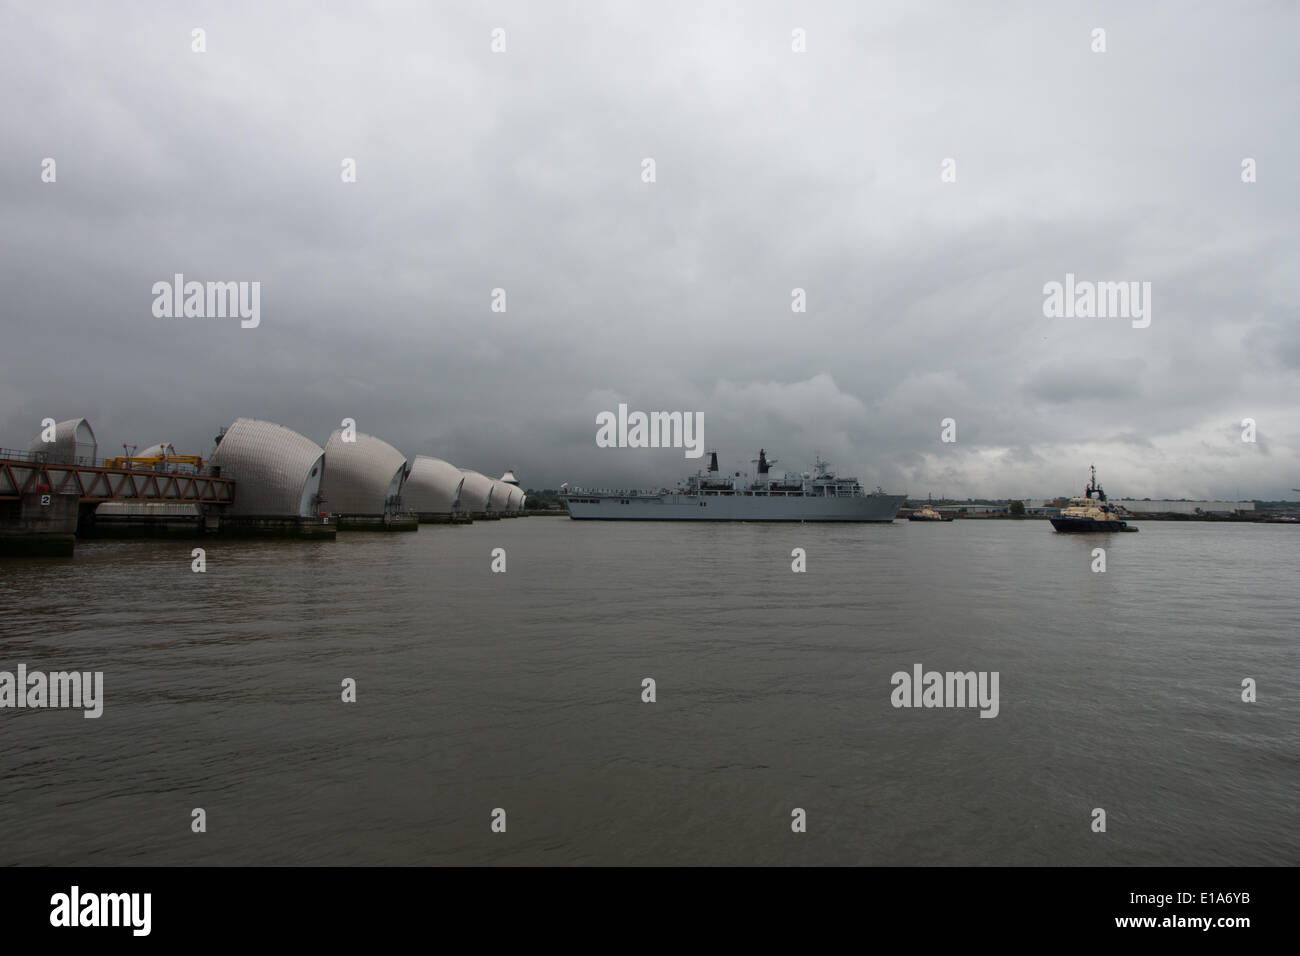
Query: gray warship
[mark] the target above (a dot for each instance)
(819, 495)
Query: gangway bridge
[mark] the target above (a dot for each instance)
(96, 480)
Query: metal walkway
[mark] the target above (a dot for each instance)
(93, 481)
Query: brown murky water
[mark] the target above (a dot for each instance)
(522, 691)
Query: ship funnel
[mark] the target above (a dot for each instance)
(713, 461)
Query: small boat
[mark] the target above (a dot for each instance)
(1089, 513)
(928, 513)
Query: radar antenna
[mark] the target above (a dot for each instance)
(764, 465)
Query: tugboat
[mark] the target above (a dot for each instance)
(1090, 513)
(928, 513)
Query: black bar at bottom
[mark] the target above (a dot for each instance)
(214, 906)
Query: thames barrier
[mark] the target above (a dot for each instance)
(261, 480)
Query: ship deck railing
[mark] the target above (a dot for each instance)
(613, 493)
(710, 493)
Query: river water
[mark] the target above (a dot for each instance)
(475, 690)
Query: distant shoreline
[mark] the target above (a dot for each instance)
(1252, 518)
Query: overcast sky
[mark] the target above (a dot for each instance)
(775, 170)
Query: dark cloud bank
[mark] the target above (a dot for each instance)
(774, 170)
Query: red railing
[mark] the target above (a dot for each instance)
(35, 471)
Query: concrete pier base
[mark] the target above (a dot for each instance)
(39, 524)
(142, 520)
(405, 522)
(278, 526)
(142, 528)
(444, 518)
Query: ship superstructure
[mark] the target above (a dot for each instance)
(1090, 513)
(819, 495)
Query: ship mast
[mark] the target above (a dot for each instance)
(1093, 486)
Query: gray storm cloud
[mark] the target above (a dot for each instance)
(775, 170)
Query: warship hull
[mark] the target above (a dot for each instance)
(735, 507)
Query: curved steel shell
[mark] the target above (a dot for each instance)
(276, 470)
(476, 493)
(362, 477)
(508, 496)
(74, 442)
(432, 487)
(500, 495)
(157, 451)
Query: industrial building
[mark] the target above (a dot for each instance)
(970, 508)
(1148, 506)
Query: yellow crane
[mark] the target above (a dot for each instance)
(153, 461)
